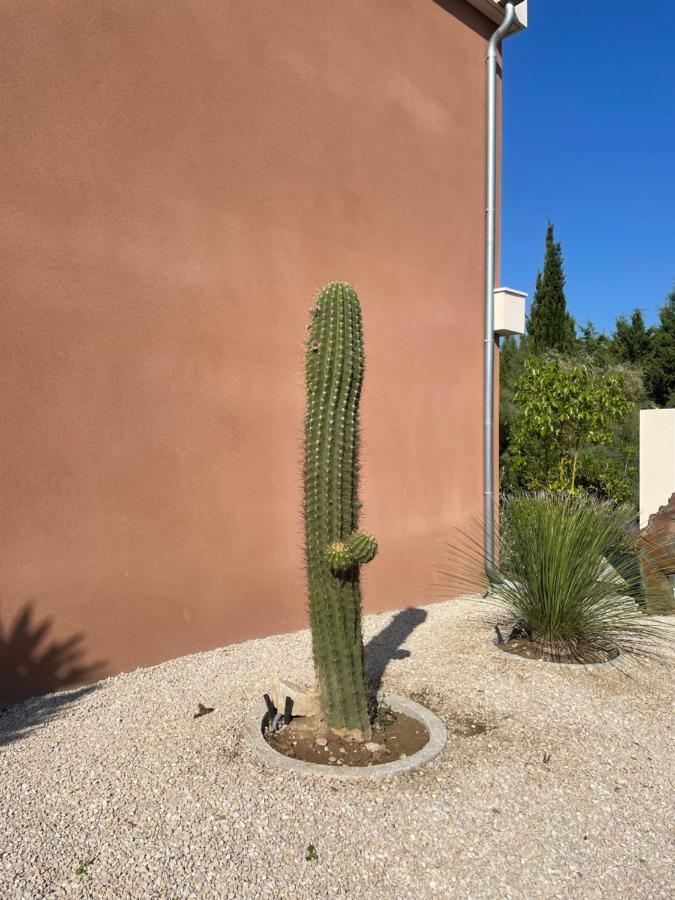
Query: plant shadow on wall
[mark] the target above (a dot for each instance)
(32, 662)
(386, 646)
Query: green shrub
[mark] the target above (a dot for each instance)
(569, 575)
(563, 411)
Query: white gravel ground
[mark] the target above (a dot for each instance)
(166, 806)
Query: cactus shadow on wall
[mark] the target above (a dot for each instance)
(33, 663)
(387, 645)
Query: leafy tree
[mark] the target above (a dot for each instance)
(660, 363)
(549, 324)
(563, 412)
(611, 470)
(512, 356)
(631, 342)
(641, 359)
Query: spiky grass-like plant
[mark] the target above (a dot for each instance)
(569, 576)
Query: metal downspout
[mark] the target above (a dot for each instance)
(490, 231)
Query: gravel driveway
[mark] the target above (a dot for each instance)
(120, 781)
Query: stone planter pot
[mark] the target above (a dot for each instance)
(551, 662)
(438, 737)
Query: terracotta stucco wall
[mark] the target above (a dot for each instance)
(179, 180)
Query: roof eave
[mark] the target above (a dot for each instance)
(493, 10)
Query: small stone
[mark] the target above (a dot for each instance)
(403, 756)
(331, 758)
(340, 763)
(373, 747)
(321, 742)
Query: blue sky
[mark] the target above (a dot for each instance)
(589, 142)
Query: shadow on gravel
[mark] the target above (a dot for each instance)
(386, 645)
(18, 721)
(32, 662)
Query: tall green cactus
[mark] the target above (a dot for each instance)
(335, 549)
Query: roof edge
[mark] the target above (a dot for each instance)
(494, 11)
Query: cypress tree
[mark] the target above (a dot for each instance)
(549, 324)
(632, 340)
(594, 345)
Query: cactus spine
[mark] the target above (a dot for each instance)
(335, 549)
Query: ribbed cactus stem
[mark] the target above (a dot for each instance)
(334, 547)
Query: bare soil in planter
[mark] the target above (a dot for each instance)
(395, 736)
(584, 654)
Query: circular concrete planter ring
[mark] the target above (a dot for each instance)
(552, 662)
(438, 737)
